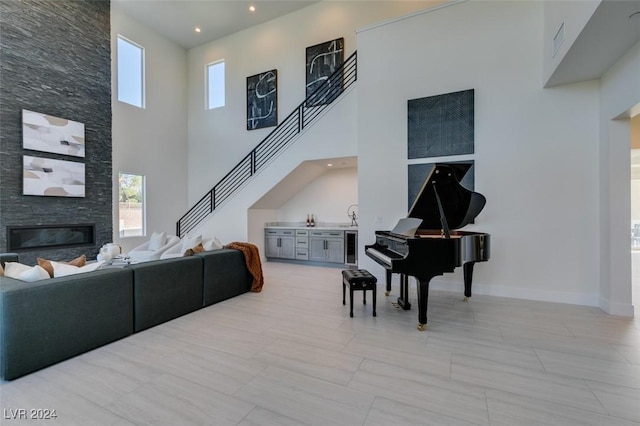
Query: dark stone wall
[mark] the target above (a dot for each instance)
(55, 58)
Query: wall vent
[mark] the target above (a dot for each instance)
(557, 40)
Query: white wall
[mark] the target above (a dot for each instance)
(217, 138)
(152, 141)
(332, 137)
(328, 197)
(536, 150)
(620, 91)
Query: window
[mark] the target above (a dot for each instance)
(131, 210)
(130, 73)
(215, 85)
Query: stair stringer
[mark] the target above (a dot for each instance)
(333, 135)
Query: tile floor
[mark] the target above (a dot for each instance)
(292, 356)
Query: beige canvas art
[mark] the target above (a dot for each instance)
(46, 133)
(52, 178)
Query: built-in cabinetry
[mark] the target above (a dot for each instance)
(279, 243)
(302, 244)
(325, 245)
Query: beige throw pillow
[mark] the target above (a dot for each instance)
(197, 249)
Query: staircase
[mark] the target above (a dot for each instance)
(279, 139)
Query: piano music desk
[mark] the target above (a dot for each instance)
(358, 279)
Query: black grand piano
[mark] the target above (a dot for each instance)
(428, 243)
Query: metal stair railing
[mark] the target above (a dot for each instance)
(280, 138)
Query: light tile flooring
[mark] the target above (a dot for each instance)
(291, 355)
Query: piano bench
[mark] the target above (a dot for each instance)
(358, 279)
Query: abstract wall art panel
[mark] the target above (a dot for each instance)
(417, 173)
(42, 132)
(52, 178)
(322, 60)
(441, 125)
(262, 100)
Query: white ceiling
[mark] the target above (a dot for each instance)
(608, 35)
(177, 19)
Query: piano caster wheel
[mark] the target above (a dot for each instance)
(386, 293)
(422, 327)
(466, 299)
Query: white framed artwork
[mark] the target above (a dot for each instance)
(46, 133)
(52, 178)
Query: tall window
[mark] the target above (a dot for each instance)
(130, 72)
(131, 212)
(215, 85)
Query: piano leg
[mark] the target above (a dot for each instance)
(423, 300)
(467, 268)
(403, 300)
(388, 292)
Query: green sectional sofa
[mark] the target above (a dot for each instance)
(48, 321)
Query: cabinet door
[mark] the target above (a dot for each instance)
(287, 247)
(271, 246)
(317, 249)
(335, 250)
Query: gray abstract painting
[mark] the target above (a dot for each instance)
(441, 125)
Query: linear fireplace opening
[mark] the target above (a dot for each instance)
(49, 236)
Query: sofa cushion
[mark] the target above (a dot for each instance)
(51, 320)
(64, 269)
(190, 242)
(225, 275)
(213, 244)
(157, 240)
(165, 289)
(46, 264)
(8, 257)
(25, 272)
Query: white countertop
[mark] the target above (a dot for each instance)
(321, 226)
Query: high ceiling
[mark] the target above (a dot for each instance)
(177, 19)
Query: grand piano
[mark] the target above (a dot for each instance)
(428, 242)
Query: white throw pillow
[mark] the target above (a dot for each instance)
(213, 244)
(64, 269)
(190, 242)
(24, 272)
(157, 240)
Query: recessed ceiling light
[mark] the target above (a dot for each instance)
(197, 29)
(329, 165)
(252, 8)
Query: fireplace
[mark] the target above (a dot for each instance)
(50, 236)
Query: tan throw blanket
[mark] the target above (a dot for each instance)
(252, 257)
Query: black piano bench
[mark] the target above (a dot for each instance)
(358, 279)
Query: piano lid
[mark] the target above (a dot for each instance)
(460, 205)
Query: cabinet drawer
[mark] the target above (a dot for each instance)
(327, 234)
(302, 232)
(302, 242)
(302, 253)
(279, 232)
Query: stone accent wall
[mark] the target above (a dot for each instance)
(55, 58)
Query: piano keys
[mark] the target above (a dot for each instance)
(424, 246)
